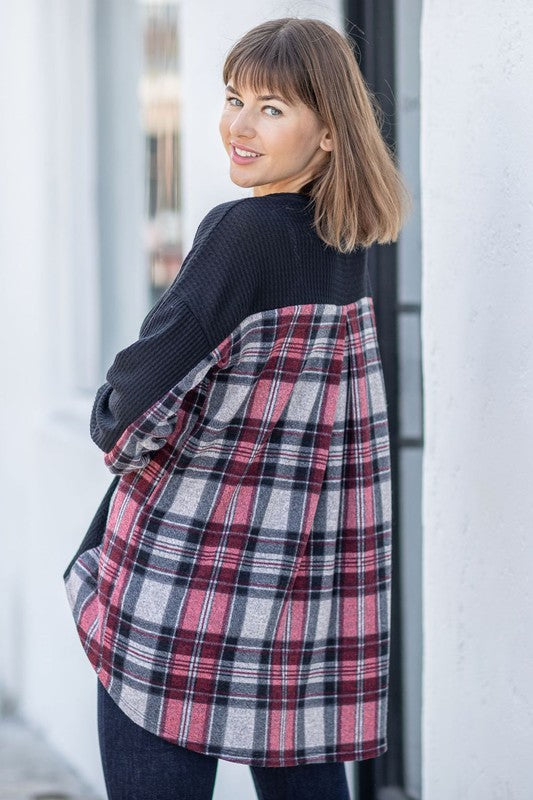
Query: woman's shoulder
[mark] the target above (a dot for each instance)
(257, 212)
(240, 210)
(253, 228)
(232, 218)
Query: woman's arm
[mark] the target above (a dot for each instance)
(135, 410)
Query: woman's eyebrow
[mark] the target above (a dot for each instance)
(260, 96)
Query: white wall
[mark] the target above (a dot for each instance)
(22, 242)
(477, 234)
(51, 476)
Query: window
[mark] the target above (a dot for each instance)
(159, 94)
(138, 171)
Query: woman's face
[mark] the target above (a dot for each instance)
(291, 139)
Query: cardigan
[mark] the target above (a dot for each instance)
(232, 592)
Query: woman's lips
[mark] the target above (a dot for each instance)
(242, 159)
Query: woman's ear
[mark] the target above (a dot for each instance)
(326, 142)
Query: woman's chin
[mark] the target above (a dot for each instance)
(241, 181)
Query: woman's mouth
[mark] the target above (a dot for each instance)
(243, 159)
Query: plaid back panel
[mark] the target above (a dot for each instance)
(238, 603)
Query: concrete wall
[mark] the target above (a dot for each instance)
(477, 242)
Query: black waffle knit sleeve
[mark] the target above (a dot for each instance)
(135, 411)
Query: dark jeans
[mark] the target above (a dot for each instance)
(138, 765)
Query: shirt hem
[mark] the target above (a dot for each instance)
(356, 754)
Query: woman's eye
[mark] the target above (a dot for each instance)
(277, 110)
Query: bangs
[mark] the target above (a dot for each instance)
(271, 68)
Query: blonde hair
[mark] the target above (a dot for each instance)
(359, 194)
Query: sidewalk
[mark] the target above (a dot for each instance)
(31, 770)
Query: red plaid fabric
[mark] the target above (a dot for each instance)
(237, 602)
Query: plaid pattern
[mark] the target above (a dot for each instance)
(239, 601)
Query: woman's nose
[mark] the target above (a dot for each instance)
(242, 125)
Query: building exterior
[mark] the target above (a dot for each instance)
(109, 157)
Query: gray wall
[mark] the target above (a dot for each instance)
(477, 235)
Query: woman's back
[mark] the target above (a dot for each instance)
(234, 592)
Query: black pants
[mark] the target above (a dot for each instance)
(138, 765)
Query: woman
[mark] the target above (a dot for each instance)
(233, 590)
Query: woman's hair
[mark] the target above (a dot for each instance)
(359, 194)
